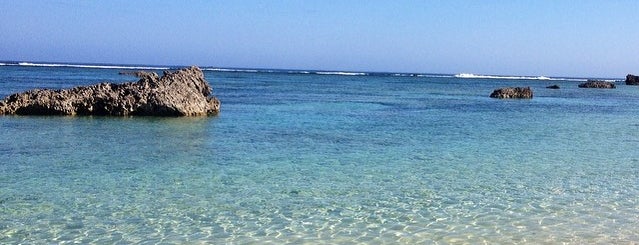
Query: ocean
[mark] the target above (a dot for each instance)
(326, 157)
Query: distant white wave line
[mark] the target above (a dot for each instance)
(402, 75)
(434, 76)
(470, 75)
(93, 66)
(231, 70)
(341, 73)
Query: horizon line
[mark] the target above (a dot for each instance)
(245, 69)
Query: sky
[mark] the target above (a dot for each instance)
(579, 38)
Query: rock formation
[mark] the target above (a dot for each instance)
(597, 84)
(632, 80)
(553, 86)
(134, 73)
(512, 93)
(181, 93)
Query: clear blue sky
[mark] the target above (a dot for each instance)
(509, 37)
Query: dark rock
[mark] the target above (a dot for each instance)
(512, 93)
(139, 74)
(553, 86)
(632, 80)
(597, 84)
(181, 93)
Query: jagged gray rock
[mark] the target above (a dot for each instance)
(632, 79)
(181, 93)
(597, 84)
(512, 93)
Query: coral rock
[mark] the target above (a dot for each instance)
(597, 84)
(181, 93)
(512, 93)
(632, 80)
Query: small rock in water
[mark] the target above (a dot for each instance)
(512, 93)
(632, 80)
(139, 74)
(597, 84)
(553, 86)
(294, 192)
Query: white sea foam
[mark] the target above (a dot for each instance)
(438, 76)
(341, 73)
(474, 76)
(235, 70)
(220, 69)
(403, 75)
(93, 66)
(470, 75)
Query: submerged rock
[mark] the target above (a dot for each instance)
(553, 86)
(632, 80)
(512, 93)
(181, 93)
(134, 73)
(597, 84)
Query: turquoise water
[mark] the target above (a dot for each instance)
(307, 158)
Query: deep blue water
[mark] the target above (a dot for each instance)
(312, 158)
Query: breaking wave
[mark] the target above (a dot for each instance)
(542, 78)
(302, 72)
(94, 66)
(337, 73)
(470, 75)
(85, 66)
(341, 73)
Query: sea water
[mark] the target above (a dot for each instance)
(326, 158)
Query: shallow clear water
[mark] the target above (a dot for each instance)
(327, 159)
